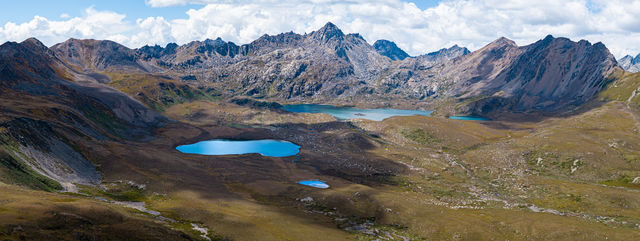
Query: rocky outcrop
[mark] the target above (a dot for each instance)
(390, 50)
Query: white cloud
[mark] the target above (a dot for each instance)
(471, 23)
(94, 24)
(152, 30)
(65, 15)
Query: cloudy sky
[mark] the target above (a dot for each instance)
(417, 26)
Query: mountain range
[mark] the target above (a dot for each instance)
(100, 122)
(550, 75)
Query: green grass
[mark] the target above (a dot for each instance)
(623, 88)
(159, 93)
(118, 191)
(623, 181)
(36, 215)
(419, 136)
(103, 118)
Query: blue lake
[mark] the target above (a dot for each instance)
(274, 148)
(314, 183)
(473, 118)
(344, 113)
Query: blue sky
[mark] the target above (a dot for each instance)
(24, 10)
(417, 26)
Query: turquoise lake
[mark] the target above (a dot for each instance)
(473, 118)
(274, 148)
(344, 113)
(314, 183)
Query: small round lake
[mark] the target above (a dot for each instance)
(314, 183)
(274, 148)
(472, 118)
(344, 113)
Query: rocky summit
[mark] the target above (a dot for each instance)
(99, 141)
(390, 50)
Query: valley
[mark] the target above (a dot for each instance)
(536, 142)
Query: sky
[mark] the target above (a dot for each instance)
(417, 26)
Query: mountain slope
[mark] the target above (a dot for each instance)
(550, 75)
(46, 113)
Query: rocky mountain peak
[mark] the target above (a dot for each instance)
(217, 42)
(33, 43)
(503, 42)
(550, 74)
(390, 49)
(327, 33)
(630, 63)
(452, 52)
(626, 58)
(96, 54)
(443, 55)
(24, 61)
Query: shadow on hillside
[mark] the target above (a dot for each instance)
(540, 115)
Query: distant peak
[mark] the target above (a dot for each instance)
(217, 41)
(464, 50)
(327, 32)
(390, 49)
(74, 40)
(502, 41)
(34, 42)
(383, 42)
(330, 26)
(171, 45)
(457, 47)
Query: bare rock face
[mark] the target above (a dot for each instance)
(390, 50)
(629, 63)
(39, 149)
(480, 67)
